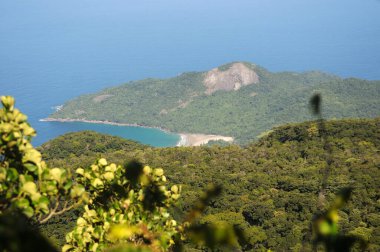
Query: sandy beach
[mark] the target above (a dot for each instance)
(201, 139)
(186, 139)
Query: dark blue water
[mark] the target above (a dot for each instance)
(51, 51)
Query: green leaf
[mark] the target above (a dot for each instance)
(30, 167)
(56, 174)
(97, 232)
(29, 188)
(102, 162)
(108, 176)
(66, 248)
(12, 175)
(22, 203)
(81, 222)
(5, 128)
(25, 207)
(43, 204)
(28, 212)
(8, 102)
(97, 183)
(68, 185)
(49, 187)
(77, 191)
(80, 171)
(26, 178)
(32, 156)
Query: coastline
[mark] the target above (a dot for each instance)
(201, 139)
(186, 139)
(101, 122)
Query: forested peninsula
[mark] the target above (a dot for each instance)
(238, 100)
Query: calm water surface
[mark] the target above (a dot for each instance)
(51, 51)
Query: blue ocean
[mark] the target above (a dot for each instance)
(52, 51)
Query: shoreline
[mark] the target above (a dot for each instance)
(186, 139)
(102, 122)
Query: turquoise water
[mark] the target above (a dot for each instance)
(150, 136)
(51, 51)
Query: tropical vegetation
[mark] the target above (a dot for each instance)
(181, 104)
(269, 188)
(279, 193)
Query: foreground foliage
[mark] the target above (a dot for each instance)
(26, 182)
(127, 204)
(121, 204)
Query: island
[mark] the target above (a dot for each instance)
(235, 102)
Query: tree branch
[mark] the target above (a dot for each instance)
(64, 209)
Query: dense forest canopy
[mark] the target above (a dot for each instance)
(270, 188)
(222, 102)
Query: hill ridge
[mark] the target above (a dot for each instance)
(184, 104)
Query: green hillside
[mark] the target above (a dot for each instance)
(186, 104)
(86, 143)
(270, 187)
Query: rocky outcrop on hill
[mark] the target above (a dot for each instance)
(236, 76)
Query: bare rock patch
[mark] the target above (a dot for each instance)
(235, 77)
(101, 98)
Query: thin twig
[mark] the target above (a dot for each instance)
(51, 212)
(64, 209)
